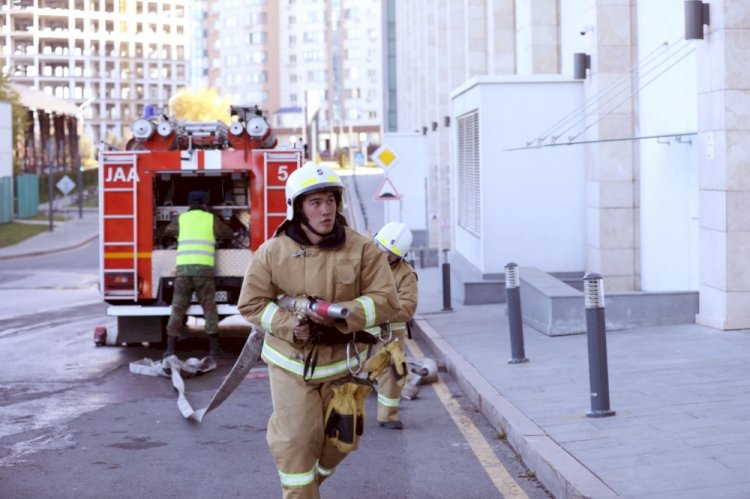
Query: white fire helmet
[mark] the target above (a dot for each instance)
(311, 177)
(395, 237)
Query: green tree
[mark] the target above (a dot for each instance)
(88, 152)
(19, 118)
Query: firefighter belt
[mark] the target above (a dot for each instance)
(345, 415)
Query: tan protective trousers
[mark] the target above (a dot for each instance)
(296, 433)
(389, 392)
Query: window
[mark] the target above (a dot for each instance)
(468, 173)
(316, 76)
(256, 18)
(314, 36)
(256, 57)
(312, 56)
(256, 97)
(256, 77)
(259, 37)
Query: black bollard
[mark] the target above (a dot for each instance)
(515, 319)
(446, 283)
(593, 289)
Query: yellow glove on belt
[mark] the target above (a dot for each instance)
(345, 415)
(398, 362)
(378, 363)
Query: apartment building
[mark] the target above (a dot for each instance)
(314, 61)
(110, 57)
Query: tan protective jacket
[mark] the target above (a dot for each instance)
(356, 275)
(406, 284)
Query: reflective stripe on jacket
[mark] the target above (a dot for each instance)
(322, 371)
(196, 244)
(355, 275)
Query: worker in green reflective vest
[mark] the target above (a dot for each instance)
(196, 231)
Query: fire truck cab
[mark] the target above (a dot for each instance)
(145, 187)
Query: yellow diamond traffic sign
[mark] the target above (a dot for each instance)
(384, 156)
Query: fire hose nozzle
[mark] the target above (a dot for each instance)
(298, 304)
(328, 309)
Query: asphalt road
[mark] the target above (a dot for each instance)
(76, 423)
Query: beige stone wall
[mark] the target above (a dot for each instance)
(612, 248)
(724, 131)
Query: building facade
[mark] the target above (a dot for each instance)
(660, 125)
(314, 66)
(110, 57)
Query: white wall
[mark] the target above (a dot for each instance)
(6, 161)
(533, 202)
(669, 169)
(409, 176)
(6, 145)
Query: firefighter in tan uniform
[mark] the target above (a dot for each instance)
(395, 238)
(311, 362)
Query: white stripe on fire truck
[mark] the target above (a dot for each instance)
(189, 160)
(212, 160)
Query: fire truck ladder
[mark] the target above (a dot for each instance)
(276, 158)
(125, 294)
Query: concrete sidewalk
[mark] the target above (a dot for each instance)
(65, 235)
(680, 393)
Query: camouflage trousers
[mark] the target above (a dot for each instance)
(205, 290)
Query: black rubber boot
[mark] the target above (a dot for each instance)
(213, 345)
(171, 343)
(392, 425)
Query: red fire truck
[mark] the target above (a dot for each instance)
(146, 186)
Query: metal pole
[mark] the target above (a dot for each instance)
(80, 188)
(593, 289)
(515, 318)
(51, 188)
(446, 283)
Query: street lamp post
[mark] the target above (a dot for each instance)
(77, 158)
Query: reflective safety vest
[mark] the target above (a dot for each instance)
(196, 243)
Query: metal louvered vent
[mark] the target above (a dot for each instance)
(469, 200)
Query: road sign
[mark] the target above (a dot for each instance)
(359, 158)
(387, 191)
(385, 156)
(65, 185)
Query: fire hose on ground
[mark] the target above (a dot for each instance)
(422, 371)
